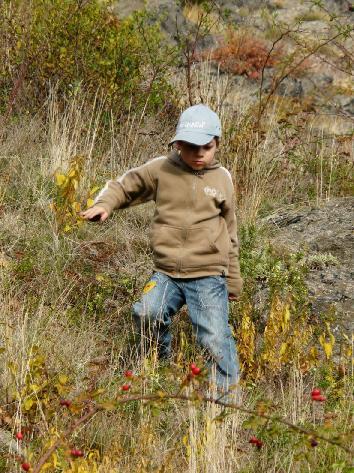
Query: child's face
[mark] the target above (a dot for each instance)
(197, 157)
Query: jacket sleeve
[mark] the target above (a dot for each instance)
(234, 279)
(132, 188)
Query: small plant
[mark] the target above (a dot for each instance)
(241, 54)
(321, 260)
(67, 205)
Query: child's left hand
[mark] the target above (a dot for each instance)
(232, 297)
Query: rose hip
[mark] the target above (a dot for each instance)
(65, 402)
(76, 453)
(319, 398)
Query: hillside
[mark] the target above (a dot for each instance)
(90, 89)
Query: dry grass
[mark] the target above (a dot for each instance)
(51, 297)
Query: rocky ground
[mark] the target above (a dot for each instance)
(325, 234)
(323, 80)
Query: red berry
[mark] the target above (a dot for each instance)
(316, 392)
(193, 366)
(196, 371)
(314, 443)
(26, 466)
(128, 374)
(258, 443)
(319, 398)
(76, 453)
(65, 402)
(125, 387)
(19, 435)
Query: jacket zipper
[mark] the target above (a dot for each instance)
(196, 175)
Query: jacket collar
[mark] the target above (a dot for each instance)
(175, 158)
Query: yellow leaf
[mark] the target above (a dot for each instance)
(67, 228)
(328, 348)
(99, 277)
(60, 179)
(90, 202)
(28, 404)
(285, 318)
(150, 285)
(62, 390)
(283, 348)
(63, 379)
(75, 183)
(313, 352)
(46, 466)
(327, 345)
(55, 460)
(94, 190)
(76, 206)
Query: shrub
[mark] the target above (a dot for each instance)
(73, 43)
(240, 53)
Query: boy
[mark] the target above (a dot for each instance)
(193, 238)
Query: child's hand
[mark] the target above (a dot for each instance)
(95, 214)
(232, 297)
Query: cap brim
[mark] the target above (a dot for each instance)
(199, 139)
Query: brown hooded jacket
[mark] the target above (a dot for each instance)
(194, 231)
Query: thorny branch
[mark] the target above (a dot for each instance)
(94, 409)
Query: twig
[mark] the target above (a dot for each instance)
(154, 397)
(67, 432)
(279, 80)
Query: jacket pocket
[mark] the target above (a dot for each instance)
(222, 242)
(203, 247)
(166, 242)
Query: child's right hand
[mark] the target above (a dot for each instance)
(95, 214)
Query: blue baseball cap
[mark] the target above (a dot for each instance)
(198, 125)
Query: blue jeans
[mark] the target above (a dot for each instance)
(207, 302)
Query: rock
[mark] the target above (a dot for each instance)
(316, 84)
(345, 103)
(325, 235)
(291, 87)
(168, 12)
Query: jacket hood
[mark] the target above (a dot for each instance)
(177, 161)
